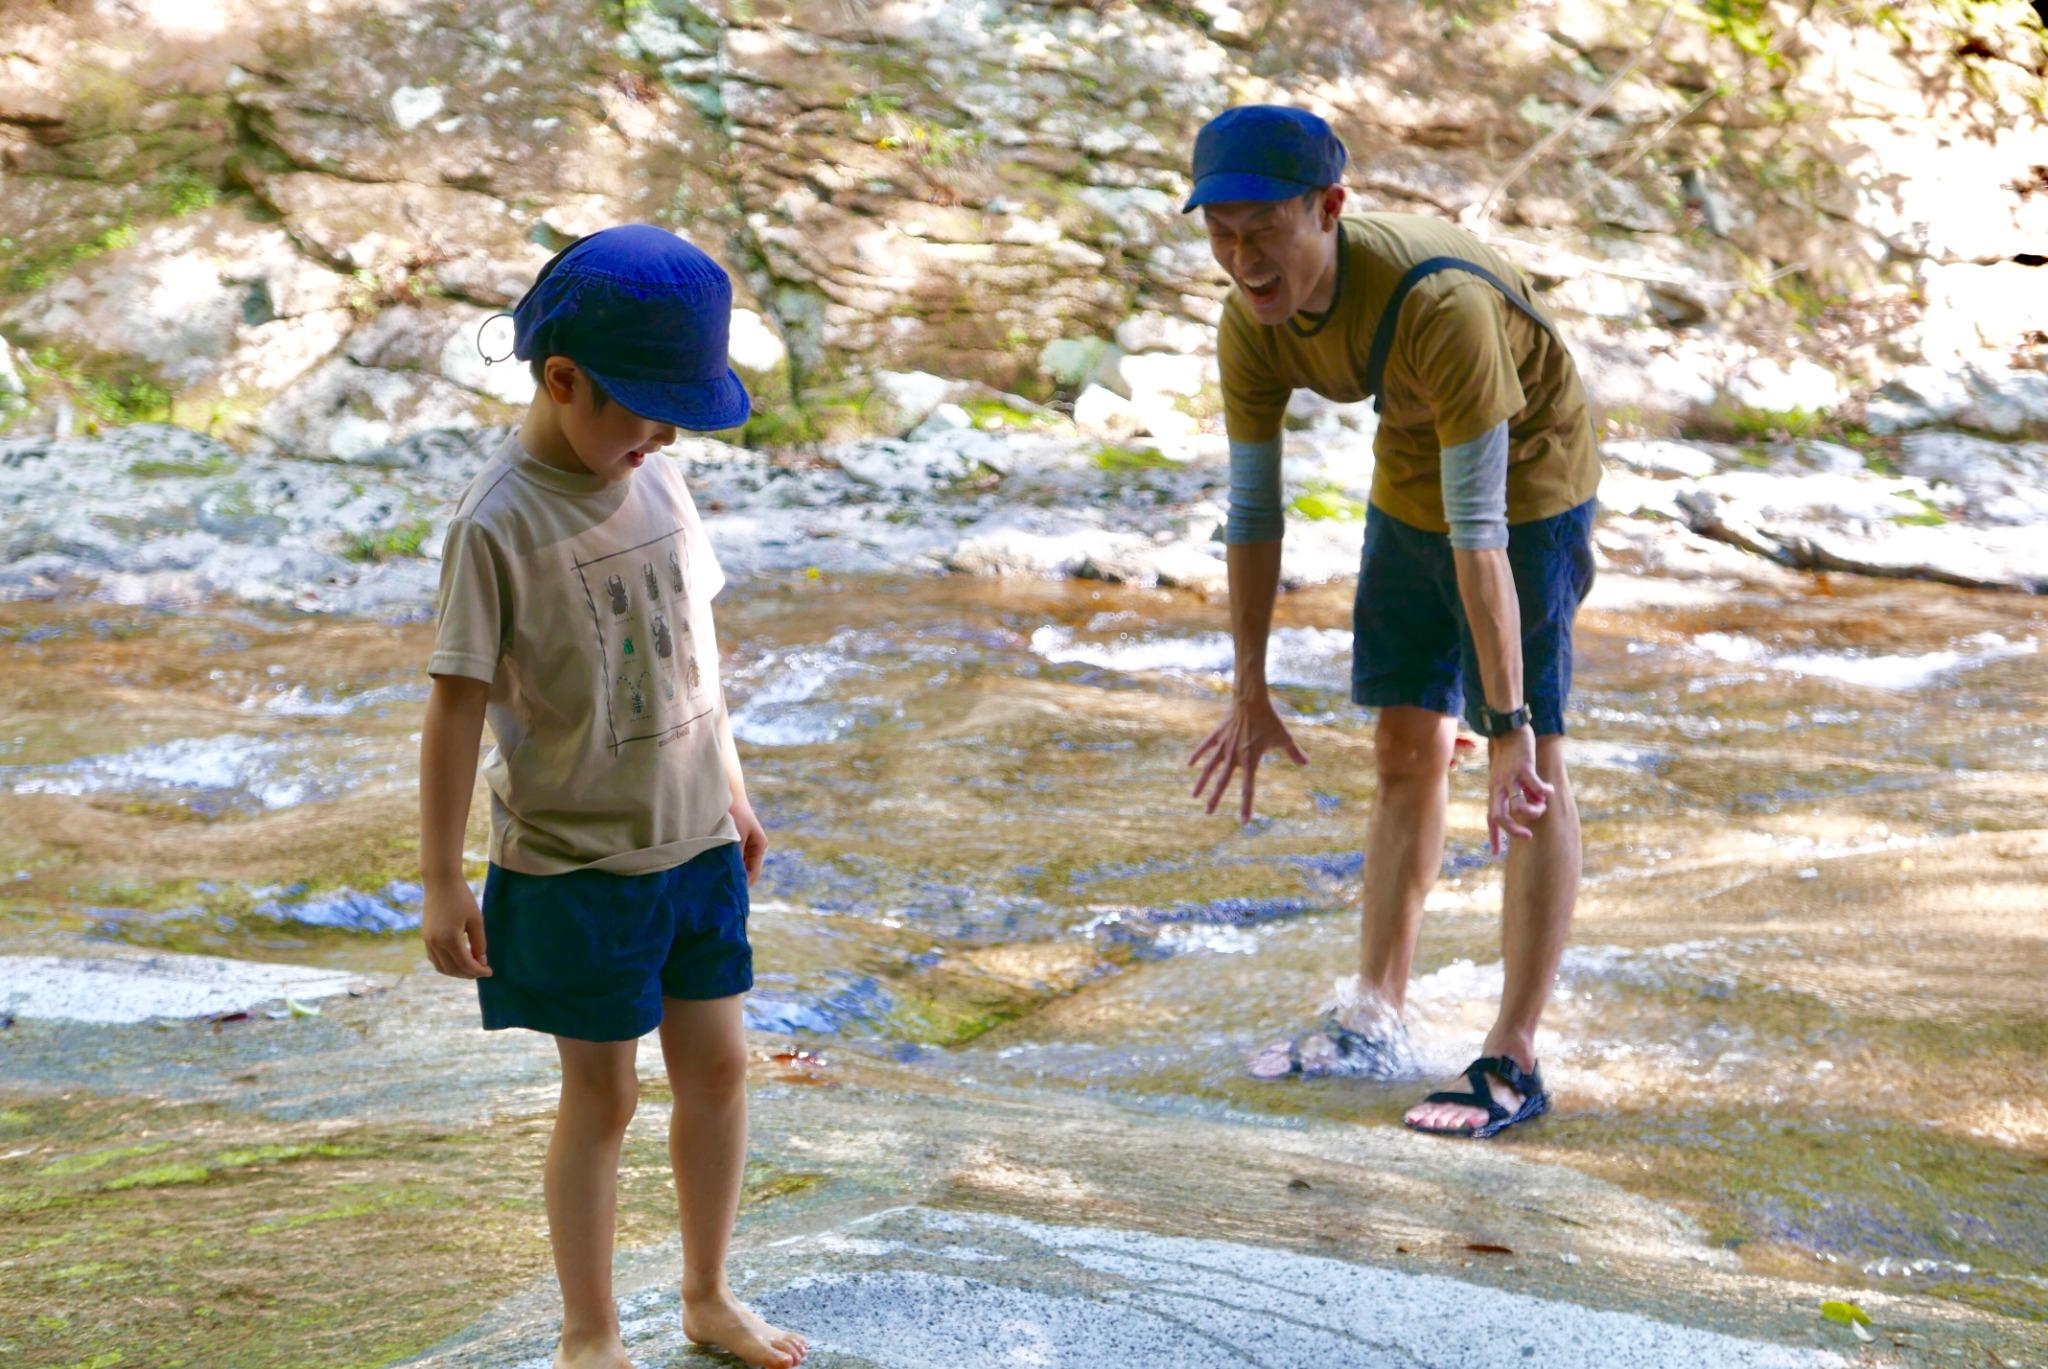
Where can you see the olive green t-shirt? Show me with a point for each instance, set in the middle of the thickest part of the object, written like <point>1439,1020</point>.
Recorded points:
<point>587,608</point>
<point>1463,360</point>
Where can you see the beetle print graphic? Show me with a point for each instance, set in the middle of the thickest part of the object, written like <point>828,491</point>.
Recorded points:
<point>653,585</point>
<point>616,588</point>
<point>675,572</point>
<point>636,690</point>
<point>664,646</point>
<point>668,686</point>
<point>696,675</point>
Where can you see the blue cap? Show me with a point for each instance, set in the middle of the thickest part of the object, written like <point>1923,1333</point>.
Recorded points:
<point>1264,152</point>
<point>646,316</point>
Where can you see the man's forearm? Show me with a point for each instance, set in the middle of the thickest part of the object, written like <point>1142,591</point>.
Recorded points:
<point>1254,580</point>
<point>448,747</point>
<point>1486,587</point>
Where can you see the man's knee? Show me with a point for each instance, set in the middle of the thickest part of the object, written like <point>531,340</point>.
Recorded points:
<point>1412,745</point>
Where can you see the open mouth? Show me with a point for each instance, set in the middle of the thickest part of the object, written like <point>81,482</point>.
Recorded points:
<point>1261,289</point>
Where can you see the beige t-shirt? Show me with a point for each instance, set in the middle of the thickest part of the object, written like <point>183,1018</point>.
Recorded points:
<point>587,608</point>
<point>1463,360</point>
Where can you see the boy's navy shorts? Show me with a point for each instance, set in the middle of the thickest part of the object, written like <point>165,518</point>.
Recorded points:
<point>590,954</point>
<point>1411,644</point>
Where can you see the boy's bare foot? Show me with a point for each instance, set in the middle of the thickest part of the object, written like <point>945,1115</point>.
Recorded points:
<point>723,1321</point>
<point>607,1353</point>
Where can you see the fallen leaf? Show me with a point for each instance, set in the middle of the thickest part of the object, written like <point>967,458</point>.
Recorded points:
<point>1844,1313</point>
<point>298,1009</point>
<point>1488,1248</point>
<point>1298,1183</point>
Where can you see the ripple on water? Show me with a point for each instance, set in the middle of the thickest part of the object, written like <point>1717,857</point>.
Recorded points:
<point>1887,672</point>
<point>233,772</point>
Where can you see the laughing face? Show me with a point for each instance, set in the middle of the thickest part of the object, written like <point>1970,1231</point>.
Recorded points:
<point>1280,253</point>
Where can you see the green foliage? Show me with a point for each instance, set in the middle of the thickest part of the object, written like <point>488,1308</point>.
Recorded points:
<point>1777,425</point>
<point>1745,23</point>
<point>1322,500</point>
<point>404,540</point>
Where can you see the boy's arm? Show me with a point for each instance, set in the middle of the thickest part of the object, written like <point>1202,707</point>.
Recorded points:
<point>450,921</point>
<point>753,837</point>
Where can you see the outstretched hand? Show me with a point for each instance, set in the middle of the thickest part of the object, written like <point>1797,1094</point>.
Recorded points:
<point>1516,795</point>
<point>1252,728</point>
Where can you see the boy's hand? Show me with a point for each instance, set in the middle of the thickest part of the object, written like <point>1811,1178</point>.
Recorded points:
<point>453,928</point>
<point>753,837</point>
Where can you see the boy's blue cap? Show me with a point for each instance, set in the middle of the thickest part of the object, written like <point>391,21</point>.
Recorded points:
<point>1264,152</point>
<point>646,315</point>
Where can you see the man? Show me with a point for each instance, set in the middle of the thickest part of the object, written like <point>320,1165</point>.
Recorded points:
<point>1477,553</point>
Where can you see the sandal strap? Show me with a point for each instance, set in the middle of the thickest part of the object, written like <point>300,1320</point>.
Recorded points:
<point>1476,1095</point>
<point>1528,1083</point>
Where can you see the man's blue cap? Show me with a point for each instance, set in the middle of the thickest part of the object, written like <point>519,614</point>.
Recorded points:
<point>1264,152</point>
<point>646,316</point>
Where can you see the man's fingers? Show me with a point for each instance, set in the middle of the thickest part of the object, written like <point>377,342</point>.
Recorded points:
<point>1299,756</point>
<point>1251,775</point>
<point>1222,782</point>
<point>1223,753</point>
<point>1207,742</point>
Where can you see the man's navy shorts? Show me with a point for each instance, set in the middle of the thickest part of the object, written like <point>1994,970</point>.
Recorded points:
<point>590,954</point>
<point>1411,644</point>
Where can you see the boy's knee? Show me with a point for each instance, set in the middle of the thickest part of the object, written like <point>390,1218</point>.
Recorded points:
<point>607,1102</point>
<point>712,1075</point>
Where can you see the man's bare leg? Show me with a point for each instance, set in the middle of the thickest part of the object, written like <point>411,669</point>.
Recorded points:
<point>1404,845</point>
<point>704,1043</point>
<point>1541,890</point>
<point>600,1091</point>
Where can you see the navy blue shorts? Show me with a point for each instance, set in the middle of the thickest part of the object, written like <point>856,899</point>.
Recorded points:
<point>590,954</point>
<point>1411,644</point>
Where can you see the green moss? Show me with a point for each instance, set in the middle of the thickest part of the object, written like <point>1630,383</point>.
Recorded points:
<point>1322,500</point>
<point>993,413</point>
<point>404,540</point>
<point>158,470</point>
<point>1122,460</point>
<point>92,1160</point>
<point>1929,515</point>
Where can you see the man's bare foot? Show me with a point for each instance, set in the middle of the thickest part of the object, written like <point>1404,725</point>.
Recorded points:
<point>723,1321</point>
<point>1453,1116</point>
<point>606,1352</point>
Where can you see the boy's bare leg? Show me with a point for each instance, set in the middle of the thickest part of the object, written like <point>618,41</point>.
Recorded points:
<point>1404,846</point>
<point>600,1090</point>
<point>705,1045</point>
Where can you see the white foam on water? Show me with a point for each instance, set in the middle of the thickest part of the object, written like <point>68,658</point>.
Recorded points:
<point>1319,658</point>
<point>121,989</point>
<point>779,695</point>
<point>1890,672</point>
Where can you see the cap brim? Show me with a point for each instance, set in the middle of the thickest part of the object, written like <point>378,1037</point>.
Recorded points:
<point>704,406</point>
<point>1225,187</point>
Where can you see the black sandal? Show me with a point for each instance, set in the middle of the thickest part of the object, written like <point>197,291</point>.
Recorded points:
<point>1528,1083</point>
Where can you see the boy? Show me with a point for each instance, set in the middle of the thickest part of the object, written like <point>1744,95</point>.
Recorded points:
<point>575,612</point>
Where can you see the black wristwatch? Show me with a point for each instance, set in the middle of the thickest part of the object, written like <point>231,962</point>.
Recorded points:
<point>1491,724</point>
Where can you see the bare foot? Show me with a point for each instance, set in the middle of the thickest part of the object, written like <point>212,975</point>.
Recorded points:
<point>606,1353</point>
<point>726,1323</point>
<point>1455,1116</point>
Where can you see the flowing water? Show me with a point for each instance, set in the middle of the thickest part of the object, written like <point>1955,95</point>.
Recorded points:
<point>1008,968</point>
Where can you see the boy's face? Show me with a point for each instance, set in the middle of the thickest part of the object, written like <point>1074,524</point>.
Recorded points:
<point>610,440</point>
<point>1275,250</point>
